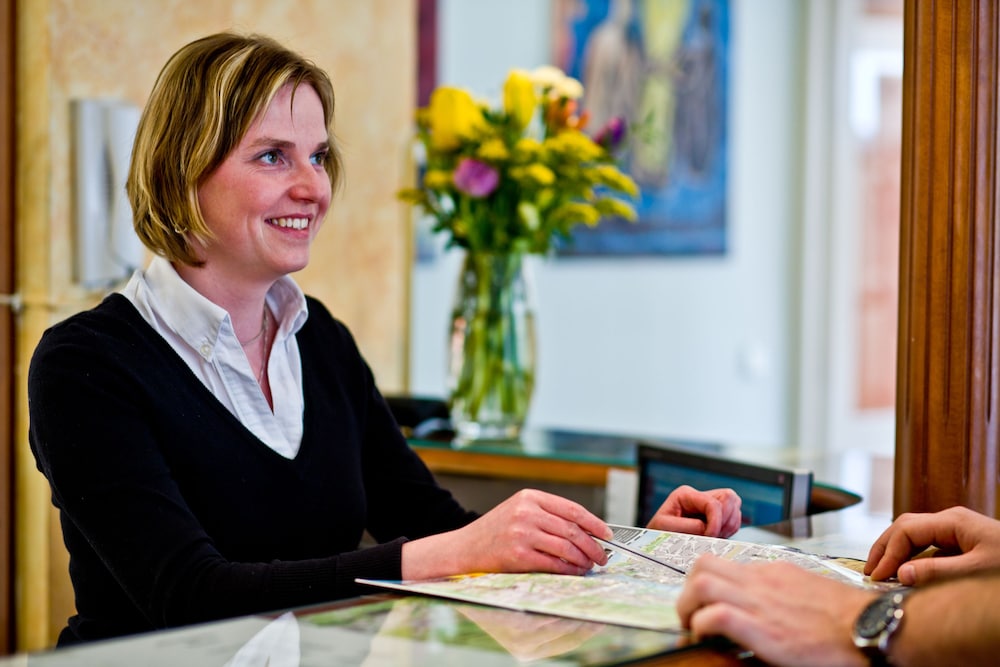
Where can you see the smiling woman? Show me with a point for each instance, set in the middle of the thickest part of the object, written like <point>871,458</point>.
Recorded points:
<point>214,441</point>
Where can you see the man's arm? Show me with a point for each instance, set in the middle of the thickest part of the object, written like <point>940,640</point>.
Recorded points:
<point>788,616</point>
<point>955,622</point>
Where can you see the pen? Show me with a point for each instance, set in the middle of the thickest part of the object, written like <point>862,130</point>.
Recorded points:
<point>640,554</point>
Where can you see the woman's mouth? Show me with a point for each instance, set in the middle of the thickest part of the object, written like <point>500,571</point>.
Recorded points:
<point>289,223</point>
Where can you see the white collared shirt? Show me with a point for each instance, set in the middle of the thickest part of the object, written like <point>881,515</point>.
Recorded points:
<point>202,334</point>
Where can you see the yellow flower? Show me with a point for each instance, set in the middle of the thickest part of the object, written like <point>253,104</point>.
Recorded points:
<point>574,145</point>
<point>540,174</point>
<point>453,116</point>
<point>437,179</point>
<point>529,213</point>
<point>611,177</point>
<point>532,145</point>
<point>526,149</point>
<point>609,206</point>
<point>575,212</point>
<point>519,99</point>
<point>493,150</point>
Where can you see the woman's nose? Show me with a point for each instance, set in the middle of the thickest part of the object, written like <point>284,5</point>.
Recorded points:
<point>310,182</point>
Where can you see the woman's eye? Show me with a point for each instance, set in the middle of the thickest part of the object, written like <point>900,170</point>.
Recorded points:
<point>270,157</point>
<point>320,158</point>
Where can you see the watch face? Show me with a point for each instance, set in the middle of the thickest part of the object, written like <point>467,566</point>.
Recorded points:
<point>879,620</point>
<point>876,617</point>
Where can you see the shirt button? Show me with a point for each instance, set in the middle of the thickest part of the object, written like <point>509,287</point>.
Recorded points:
<point>206,350</point>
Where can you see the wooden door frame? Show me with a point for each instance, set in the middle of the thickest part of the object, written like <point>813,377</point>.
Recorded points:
<point>7,325</point>
<point>948,370</point>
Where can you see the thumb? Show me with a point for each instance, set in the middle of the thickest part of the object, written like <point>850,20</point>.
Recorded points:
<point>925,570</point>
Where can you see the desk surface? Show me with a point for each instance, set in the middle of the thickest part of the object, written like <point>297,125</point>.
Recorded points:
<point>619,451</point>
<point>568,457</point>
<point>390,629</point>
<point>387,631</point>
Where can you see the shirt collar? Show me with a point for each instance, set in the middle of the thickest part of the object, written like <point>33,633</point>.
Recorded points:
<point>198,320</point>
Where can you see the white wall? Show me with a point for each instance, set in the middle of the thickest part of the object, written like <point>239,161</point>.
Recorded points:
<point>691,347</point>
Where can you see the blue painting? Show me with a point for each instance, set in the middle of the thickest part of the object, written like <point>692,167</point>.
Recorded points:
<point>662,65</point>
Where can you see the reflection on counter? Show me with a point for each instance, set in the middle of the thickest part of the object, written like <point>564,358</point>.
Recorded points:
<point>420,630</point>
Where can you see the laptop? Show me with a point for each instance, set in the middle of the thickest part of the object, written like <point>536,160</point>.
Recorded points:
<point>770,493</point>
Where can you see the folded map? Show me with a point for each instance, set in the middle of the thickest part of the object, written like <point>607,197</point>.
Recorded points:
<point>628,590</point>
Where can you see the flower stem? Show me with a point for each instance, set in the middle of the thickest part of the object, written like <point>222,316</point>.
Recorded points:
<point>493,348</point>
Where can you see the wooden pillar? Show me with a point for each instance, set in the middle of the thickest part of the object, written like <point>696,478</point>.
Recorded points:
<point>949,324</point>
<point>7,284</point>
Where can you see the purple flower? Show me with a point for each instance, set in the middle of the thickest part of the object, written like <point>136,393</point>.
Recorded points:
<point>611,135</point>
<point>476,179</point>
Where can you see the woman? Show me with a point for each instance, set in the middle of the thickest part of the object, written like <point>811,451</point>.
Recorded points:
<point>215,443</point>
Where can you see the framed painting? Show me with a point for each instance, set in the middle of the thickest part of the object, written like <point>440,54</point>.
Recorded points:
<point>662,66</point>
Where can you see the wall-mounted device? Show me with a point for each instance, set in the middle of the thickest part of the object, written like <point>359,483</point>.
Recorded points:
<point>107,248</point>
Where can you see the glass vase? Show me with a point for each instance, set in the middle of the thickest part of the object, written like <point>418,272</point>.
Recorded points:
<point>492,348</point>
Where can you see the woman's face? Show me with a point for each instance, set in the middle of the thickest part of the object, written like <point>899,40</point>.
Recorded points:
<point>266,201</point>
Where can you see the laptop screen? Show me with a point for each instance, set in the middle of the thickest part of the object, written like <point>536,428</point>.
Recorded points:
<point>769,494</point>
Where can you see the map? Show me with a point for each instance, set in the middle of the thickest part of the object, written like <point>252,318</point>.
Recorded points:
<point>628,590</point>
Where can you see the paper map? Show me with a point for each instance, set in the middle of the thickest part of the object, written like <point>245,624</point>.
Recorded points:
<point>628,590</point>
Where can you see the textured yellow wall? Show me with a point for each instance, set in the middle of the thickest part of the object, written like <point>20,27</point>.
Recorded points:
<point>115,48</point>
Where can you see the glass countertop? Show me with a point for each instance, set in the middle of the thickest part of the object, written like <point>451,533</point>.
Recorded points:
<point>564,445</point>
<point>849,472</point>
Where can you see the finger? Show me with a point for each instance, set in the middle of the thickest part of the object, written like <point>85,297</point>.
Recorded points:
<point>712,510</point>
<point>677,524</point>
<point>733,523</point>
<point>690,500</point>
<point>566,550</point>
<point>725,620</point>
<point>591,551</point>
<point>541,561</point>
<point>909,535</point>
<point>875,555</point>
<point>731,516</point>
<point>696,593</point>
<point>574,513</point>
<point>920,571</point>
<point>566,539</point>
<point>580,539</point>
<point>710,580</point>
<point>892,548</point>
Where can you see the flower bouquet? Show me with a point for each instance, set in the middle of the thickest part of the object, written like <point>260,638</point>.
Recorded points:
<point>501,183</point>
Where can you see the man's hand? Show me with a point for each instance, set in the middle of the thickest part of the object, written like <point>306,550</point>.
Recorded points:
<point>967,542</point>
<point>784,614</point>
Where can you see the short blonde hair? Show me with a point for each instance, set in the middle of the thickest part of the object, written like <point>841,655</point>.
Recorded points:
<point>204,101</point>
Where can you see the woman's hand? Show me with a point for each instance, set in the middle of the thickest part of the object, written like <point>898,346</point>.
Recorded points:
<point>967,541</point>
<point>532,531</point>
<point>784,614</point>
<point>714,513</point>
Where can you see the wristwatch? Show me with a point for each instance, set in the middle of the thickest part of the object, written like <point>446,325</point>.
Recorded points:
<point>877,624</point>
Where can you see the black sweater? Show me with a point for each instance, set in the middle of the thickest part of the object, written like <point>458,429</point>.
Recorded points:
<point>174,513</point>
